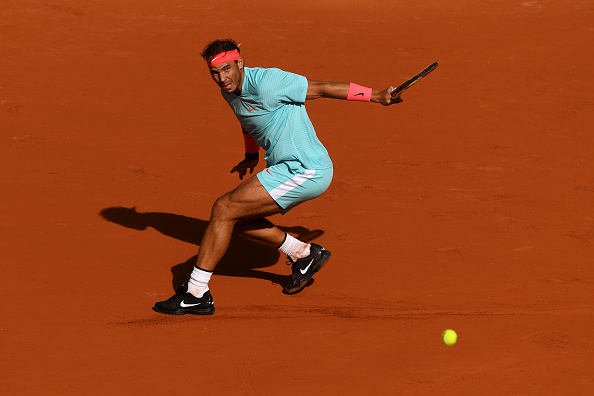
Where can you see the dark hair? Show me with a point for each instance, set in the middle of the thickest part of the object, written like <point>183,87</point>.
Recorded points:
<point>218,46</point>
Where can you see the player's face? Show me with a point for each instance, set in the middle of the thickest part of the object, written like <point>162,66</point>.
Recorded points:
<point>228,76</point>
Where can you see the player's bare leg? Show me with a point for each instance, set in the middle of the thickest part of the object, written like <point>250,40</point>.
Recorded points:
<point>249,200</point>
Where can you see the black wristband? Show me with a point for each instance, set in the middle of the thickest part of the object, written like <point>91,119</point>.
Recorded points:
<point>252,155</point>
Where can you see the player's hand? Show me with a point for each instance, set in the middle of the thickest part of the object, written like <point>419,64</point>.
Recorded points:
<point>387,99</point>
<point>244,165</point>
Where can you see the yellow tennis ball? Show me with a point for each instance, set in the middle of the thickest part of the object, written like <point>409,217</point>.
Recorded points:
<point>449,337</point>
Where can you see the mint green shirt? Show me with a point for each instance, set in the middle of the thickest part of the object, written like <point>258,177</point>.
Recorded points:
<point>271,108</point>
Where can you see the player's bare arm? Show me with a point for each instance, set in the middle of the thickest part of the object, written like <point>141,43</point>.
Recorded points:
<point>340,90</point>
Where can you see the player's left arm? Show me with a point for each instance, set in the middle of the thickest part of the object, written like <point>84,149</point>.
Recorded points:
<point>339,90</point>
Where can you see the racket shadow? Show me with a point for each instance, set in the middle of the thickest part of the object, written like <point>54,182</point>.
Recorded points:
<point>243,258</point>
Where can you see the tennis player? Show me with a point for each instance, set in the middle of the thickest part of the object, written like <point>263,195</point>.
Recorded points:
<point>269,104</point>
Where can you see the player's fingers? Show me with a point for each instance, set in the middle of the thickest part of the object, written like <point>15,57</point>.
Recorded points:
<point>251,170</point>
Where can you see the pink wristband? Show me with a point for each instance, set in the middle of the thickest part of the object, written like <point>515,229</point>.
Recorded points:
<point>357,92</point>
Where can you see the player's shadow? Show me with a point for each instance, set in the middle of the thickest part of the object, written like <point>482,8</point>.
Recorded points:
<point>243,258</point>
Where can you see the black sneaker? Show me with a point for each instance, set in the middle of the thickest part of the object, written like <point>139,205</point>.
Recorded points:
<point>184,302</point>
<point>304,268</point>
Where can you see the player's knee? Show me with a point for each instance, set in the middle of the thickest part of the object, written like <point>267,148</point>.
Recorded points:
<point>221,208</point>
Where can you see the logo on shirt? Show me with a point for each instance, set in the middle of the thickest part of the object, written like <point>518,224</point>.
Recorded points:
<point>359,94</point>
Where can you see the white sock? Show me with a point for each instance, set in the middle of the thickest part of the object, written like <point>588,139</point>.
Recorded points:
<point>198,283</point>
<point>294,248</point>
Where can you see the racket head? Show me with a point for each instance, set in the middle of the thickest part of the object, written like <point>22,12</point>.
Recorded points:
<point>409,83</point>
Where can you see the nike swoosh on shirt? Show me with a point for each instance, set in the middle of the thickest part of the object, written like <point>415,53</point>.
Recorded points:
<point>303,271</point>
<point>250,110</point>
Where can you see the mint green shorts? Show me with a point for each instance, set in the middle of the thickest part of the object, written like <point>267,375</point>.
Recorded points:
<point>290,184</point>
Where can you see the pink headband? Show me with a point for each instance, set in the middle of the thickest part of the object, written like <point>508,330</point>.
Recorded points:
<point>223,57</point>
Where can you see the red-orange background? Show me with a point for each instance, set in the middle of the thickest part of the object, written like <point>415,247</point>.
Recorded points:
<point>468,206</point>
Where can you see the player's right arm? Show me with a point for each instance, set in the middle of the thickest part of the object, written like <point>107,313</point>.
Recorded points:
<point>252,156</point>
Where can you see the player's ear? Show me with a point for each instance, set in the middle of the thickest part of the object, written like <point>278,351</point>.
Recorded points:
<point>240,62</point>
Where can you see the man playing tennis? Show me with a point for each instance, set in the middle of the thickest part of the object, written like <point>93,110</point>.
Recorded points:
<point>269,104</point>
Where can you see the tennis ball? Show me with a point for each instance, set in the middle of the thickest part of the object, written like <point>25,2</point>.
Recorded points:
<point>449,337</point>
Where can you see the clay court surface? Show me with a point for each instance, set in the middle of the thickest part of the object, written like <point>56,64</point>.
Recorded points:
<point>469,206</point>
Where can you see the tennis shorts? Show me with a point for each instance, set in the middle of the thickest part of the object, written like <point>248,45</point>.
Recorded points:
<point>290,184</point>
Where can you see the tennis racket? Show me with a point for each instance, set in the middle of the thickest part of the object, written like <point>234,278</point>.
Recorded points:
<point>398,91</point>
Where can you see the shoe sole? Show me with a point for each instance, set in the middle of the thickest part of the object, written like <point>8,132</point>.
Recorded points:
<point>325,257</point>
<point>208,311</point>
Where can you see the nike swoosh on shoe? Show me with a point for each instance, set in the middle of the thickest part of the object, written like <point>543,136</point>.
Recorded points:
<point>303,271</point>
<point>184,305</point>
